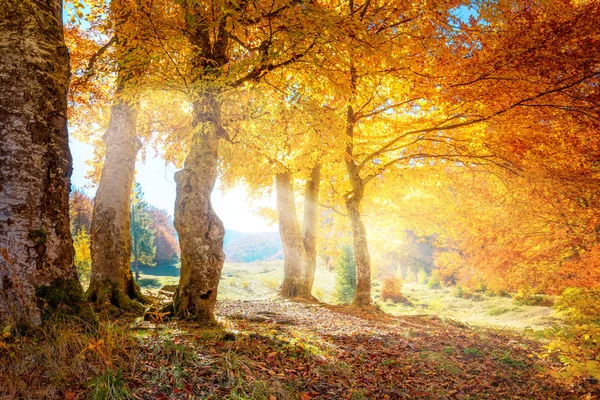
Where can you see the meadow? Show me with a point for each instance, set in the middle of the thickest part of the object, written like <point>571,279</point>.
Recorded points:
<point>260,280</point>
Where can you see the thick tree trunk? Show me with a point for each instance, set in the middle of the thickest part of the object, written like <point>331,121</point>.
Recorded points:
<point>295,264</point>
<point>36,249</point>
<point>200,230</point>
<point>112,281</point>
<point>310,223</point>
<point>362,296</point>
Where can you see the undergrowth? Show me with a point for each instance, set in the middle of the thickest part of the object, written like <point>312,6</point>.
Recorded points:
<point>64,359</point>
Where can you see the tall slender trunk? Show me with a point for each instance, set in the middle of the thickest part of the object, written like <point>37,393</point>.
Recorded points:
<point>36,250</point>
<point>295,265</point>
<point>135,246</point>
<point>112,281</point>
<point>310,223</point>
<point>362,296</point>
<point>199,228</point>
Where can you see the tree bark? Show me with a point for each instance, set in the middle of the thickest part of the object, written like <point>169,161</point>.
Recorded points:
<point>136,261</point>
<point>362,296</point>
<point>200,230</point>
<point>295,264</point>
<point>310,223</point>
<point>112,282</point>
<point>37,273</point>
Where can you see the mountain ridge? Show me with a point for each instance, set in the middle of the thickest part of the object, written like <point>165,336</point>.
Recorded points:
<point>249,247</point>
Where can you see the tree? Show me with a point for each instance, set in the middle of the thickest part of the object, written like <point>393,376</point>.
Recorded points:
<point>345,279</point>
<point>112,280</point>
<point>295,278</point>
<point>311,222</point>
<point>37,273</point>
<point>83,257</point>
<point>142,233</point>
<point>165,236</point>
<point>230,44</point>
<point>80,208</point>
<point>292,152</point>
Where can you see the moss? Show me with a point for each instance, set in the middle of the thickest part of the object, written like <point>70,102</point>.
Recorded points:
<point>38,236</point>
<point>65,295</point>
<point>107,296</point>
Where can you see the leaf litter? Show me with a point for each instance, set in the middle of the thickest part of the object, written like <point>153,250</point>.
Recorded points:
<point>292,350</point>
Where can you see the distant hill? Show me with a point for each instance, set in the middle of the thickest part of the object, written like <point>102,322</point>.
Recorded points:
<point>248,247</point>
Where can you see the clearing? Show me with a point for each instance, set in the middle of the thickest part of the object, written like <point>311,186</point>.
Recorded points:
<point>285,350</point>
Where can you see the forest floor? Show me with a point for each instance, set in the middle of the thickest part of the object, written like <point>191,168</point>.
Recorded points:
<point>287,350</point>
<point>282,350</point>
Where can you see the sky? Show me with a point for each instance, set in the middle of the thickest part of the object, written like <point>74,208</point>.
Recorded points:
<point>158,184</point>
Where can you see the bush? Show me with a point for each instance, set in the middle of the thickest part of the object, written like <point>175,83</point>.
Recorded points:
<point>345,279</point>
<point>391,289</point>
<point>526,296</point>
<point>434,282</point>
<point>578,343</point>
<point>422,276</point>
<point>410,276</point>
<point>462,293</point>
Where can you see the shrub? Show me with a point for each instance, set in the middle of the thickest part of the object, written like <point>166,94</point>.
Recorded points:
<point>271,284</point>
<point>462,293</point>
<point>578,343</point>
<point>434,282</point>
<point>410,276</point>
<point>527,297</point>
<point>345,279</point>
<point>391,289</point>
<point>422,276</point>
<point>580,305</point>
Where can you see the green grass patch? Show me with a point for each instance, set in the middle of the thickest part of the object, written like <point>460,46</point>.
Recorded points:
<point>482,309</point>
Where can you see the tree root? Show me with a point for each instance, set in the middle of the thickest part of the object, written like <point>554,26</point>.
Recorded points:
<point>108,296</point>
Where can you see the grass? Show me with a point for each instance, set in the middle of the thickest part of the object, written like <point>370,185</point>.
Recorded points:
<point>481,310</point>
<point>260,280</point>
<point>109,385</point>
<point>241,281</point>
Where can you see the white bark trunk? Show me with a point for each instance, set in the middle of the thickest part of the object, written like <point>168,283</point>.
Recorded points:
<point>200,230</point>
<point>310,223</point>
<point>112,282</point>
<point>295,264</point>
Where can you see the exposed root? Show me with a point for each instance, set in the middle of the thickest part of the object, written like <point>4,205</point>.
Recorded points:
<point>108,296</point>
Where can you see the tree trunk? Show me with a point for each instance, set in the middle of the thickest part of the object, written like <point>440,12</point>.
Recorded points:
<point>136,262</point>
<point>112,281</point>
<point>295,264</point>
<point>310,223</point>
<point>37,273</point>
<point>362,296</point>
<point>200,230</point>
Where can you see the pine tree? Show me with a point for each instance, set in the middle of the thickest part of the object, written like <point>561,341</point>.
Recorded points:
<point>345,280</point>
<point>142,234</point>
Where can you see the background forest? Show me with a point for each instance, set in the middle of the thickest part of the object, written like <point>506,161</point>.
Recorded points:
<point>432,162</point>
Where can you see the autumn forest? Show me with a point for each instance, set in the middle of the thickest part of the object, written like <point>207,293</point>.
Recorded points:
<point>467,131</point>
